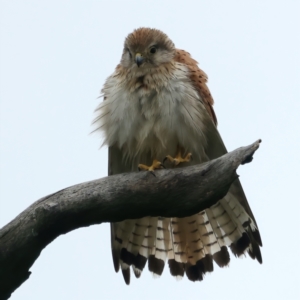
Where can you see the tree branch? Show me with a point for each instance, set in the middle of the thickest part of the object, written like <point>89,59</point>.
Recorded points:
<point>169,193</point>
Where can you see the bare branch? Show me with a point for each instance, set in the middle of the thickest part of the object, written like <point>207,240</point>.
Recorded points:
<point>170,193</point>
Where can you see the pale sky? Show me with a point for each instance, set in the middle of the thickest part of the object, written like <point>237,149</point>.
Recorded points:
<point>55,57</point>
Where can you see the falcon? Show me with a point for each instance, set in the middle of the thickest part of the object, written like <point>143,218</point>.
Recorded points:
<point>158,111</point>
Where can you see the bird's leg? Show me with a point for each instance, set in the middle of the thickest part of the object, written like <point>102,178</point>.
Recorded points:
<point>155,165</point>
<point>178,158</point>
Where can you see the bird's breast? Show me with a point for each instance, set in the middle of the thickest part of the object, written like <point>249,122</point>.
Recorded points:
<point>153,121</point>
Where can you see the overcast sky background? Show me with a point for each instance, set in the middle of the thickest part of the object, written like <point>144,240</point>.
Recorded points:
<point>55,56</point>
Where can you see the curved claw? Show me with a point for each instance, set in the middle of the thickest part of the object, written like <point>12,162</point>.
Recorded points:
<point>155,165</point>
<point>178,158</point>
<point>169,158</point>
<point>152,172</point>
<point>164,160</point>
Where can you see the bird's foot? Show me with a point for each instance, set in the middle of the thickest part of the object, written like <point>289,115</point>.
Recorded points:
<point>155,165</point>
<point>178,158</point>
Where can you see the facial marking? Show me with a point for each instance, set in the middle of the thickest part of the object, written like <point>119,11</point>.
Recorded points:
<point>147,48</point>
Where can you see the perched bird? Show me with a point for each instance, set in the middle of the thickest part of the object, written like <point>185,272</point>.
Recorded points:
<point>158,107</point>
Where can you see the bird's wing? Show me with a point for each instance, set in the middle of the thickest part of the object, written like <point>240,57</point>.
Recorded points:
<point>215,145</point>
<point>199,79</point>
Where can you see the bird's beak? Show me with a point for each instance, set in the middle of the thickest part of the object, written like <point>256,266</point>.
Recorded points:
<point>139,59</point>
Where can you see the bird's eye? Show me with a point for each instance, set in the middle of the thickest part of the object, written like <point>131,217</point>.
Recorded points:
<point>153,50</point>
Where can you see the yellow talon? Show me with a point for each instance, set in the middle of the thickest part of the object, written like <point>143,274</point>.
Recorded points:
<point>178,158</point>
<point>155,165</point>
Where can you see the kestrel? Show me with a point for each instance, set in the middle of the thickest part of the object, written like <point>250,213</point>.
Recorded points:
<point>158,111</point>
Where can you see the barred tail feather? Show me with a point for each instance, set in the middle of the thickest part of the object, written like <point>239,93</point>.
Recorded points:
<point>198,262</point>
<point>214,246</point>
<point>162,248</point>
<point>247,242</point>
<point>122,233</point>
<point>115,246</point>
<point>189,244</point>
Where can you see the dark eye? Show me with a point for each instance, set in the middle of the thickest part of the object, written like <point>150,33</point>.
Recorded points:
<point>153,50</point>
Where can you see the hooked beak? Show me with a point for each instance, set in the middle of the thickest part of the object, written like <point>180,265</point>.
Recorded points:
<point>139,59</point>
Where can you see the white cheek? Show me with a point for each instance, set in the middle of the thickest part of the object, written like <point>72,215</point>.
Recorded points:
<point>162,57</point>
<point>126,60</point>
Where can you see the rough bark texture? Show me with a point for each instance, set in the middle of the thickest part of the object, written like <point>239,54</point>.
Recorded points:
<point>168,193</point>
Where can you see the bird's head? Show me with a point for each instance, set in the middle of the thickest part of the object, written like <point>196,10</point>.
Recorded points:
<point>146,48</point>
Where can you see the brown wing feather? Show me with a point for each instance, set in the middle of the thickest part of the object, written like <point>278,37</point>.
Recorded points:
<point>216,147</point>
<point>199,79</point>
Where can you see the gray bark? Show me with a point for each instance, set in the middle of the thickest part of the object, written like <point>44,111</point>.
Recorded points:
<point>169,193</point>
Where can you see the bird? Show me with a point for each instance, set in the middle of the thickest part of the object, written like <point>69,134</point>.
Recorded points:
<point>157,111</point>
